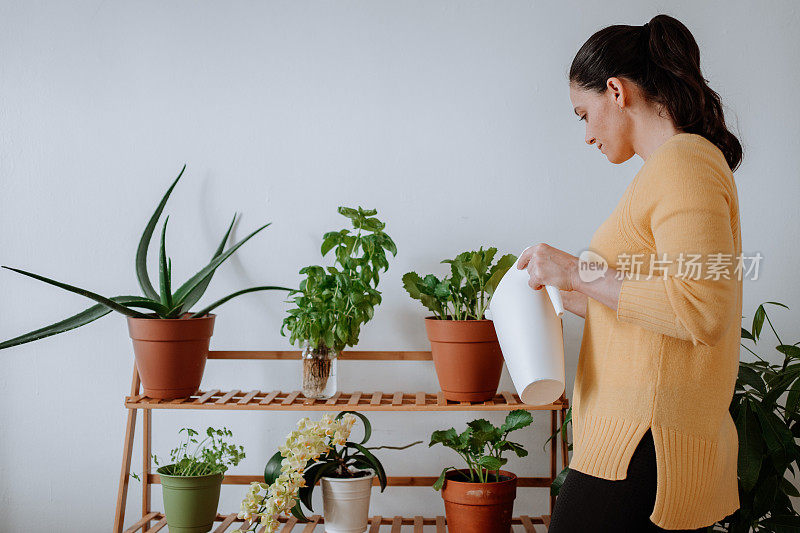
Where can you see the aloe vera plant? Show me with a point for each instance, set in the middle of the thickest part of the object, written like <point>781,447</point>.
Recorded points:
<point>164,303</point>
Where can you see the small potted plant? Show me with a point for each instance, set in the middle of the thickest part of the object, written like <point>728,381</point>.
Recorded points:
<point>319,452</point>
<point>191,482</point>
<point>333,303</point>
<point>480,498</point>
<point>464,345</point>
<point>170,342</point>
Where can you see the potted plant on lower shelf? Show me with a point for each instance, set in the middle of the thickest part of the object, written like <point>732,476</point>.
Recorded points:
<point>464,345</point>
<point>170,342</point>
<point>480,498</point>
<point>333,303</point>
<point>191,482</point>
<point>319,452</point>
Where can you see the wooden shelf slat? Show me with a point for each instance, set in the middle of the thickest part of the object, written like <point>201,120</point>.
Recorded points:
<point>376,524</point>
<point>159,526</point>
<point>230,519</point>
<point>227,396</point>
<point>247,397</point>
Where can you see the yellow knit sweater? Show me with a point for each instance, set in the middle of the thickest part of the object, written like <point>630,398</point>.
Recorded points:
<point>669,357</point>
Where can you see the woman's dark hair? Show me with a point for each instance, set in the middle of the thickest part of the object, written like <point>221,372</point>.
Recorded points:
<point>663,59</point>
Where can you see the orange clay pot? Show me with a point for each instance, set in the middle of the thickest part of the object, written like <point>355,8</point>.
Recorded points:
<point>467,358</point>
<point>479,507</point>
<point>171,353</point>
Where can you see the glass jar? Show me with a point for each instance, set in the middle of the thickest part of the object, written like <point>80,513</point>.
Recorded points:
<point>319,371</point>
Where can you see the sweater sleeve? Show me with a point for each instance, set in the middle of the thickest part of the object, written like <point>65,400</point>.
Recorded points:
<point>686,201</point>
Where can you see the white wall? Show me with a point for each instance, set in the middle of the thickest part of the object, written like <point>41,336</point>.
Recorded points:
<point>451,118</point>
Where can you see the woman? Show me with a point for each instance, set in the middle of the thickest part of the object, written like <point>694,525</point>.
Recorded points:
<point>655,447</point>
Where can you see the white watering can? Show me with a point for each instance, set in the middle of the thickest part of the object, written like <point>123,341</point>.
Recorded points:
<point>528,326</point>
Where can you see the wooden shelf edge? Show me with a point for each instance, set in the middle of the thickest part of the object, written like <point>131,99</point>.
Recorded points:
<point>227,523</point>
<point>357,401</point>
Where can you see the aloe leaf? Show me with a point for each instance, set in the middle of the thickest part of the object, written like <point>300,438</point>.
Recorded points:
<point>83,292</point>
<point>80,319</point>
<point>183,291</point>
<point>144,244</point>
<point>221,301</point>
<point>163,269</point>
<point>197,293</point>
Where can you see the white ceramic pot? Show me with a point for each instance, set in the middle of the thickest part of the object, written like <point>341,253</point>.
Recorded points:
<point>346,503</point>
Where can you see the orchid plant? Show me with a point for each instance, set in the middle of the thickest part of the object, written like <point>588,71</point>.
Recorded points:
<point>310,453</point>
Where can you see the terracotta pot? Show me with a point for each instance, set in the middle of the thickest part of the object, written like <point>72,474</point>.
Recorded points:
<point>479,507</point>
<point>171,353</point>
<point>467,357</point>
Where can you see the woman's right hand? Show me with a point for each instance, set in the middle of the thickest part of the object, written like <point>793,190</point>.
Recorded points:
<point>575,302</point>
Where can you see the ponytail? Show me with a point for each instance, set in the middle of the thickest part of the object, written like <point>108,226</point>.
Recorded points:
<point>663,58</point>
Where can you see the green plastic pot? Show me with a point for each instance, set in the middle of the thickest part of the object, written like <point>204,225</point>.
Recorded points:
<point>190,502</point>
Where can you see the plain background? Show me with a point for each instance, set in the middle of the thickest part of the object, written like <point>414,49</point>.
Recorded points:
<point>452,119</point>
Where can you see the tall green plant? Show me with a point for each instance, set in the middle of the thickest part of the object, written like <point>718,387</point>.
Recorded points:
<point>333,303</point>
<point>466,293</point>
<point>164,303</point>
<point>766,410</point>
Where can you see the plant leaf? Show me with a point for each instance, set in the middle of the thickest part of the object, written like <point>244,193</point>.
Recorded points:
<point>381,473</point>
<point>81,319</point>
<point>184,290</point>
<point>83,292</point>
<point>221,301</point>
<point>516,419</point>
<point>439,483</point>
<point>273,468</point>
<point>163,269</point>
<point>144,244</point>
<point>197,293</point>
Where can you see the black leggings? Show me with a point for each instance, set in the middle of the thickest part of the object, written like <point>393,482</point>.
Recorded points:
<point>588,503</point>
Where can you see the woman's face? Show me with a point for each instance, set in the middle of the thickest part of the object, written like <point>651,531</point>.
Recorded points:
<point>607,126</point>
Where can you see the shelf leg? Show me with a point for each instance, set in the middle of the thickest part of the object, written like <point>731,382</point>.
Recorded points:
<point>147,415</point>
<point>127,452</point>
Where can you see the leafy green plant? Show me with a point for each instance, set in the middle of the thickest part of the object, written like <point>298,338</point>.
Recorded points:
<point>466,293</point>
<point>768,427</point>
<point>164,303</point>
<point>481,446</point>
<point>212,455</point>
<point>333,303</point>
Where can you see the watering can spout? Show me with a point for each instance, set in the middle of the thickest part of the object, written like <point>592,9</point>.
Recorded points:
<point>555,299</point>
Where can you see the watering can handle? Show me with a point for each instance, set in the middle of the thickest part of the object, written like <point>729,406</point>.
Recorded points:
<point>555,299</point>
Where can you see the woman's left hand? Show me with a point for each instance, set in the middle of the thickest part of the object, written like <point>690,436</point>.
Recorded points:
<point>549,266</point>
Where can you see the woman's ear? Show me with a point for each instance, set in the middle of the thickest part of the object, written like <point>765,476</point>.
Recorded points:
<point>616,91</point>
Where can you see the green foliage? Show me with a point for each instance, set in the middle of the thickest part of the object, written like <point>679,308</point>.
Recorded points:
<point>212,455</point>
<point>163,303</point>
<point>348,461</point>
<point>333,303</point>
<point>466,293</point>
<point>766,410</point>
<point>482,444</point>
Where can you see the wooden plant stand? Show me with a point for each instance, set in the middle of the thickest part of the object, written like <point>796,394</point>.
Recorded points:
<point>254,400</point>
